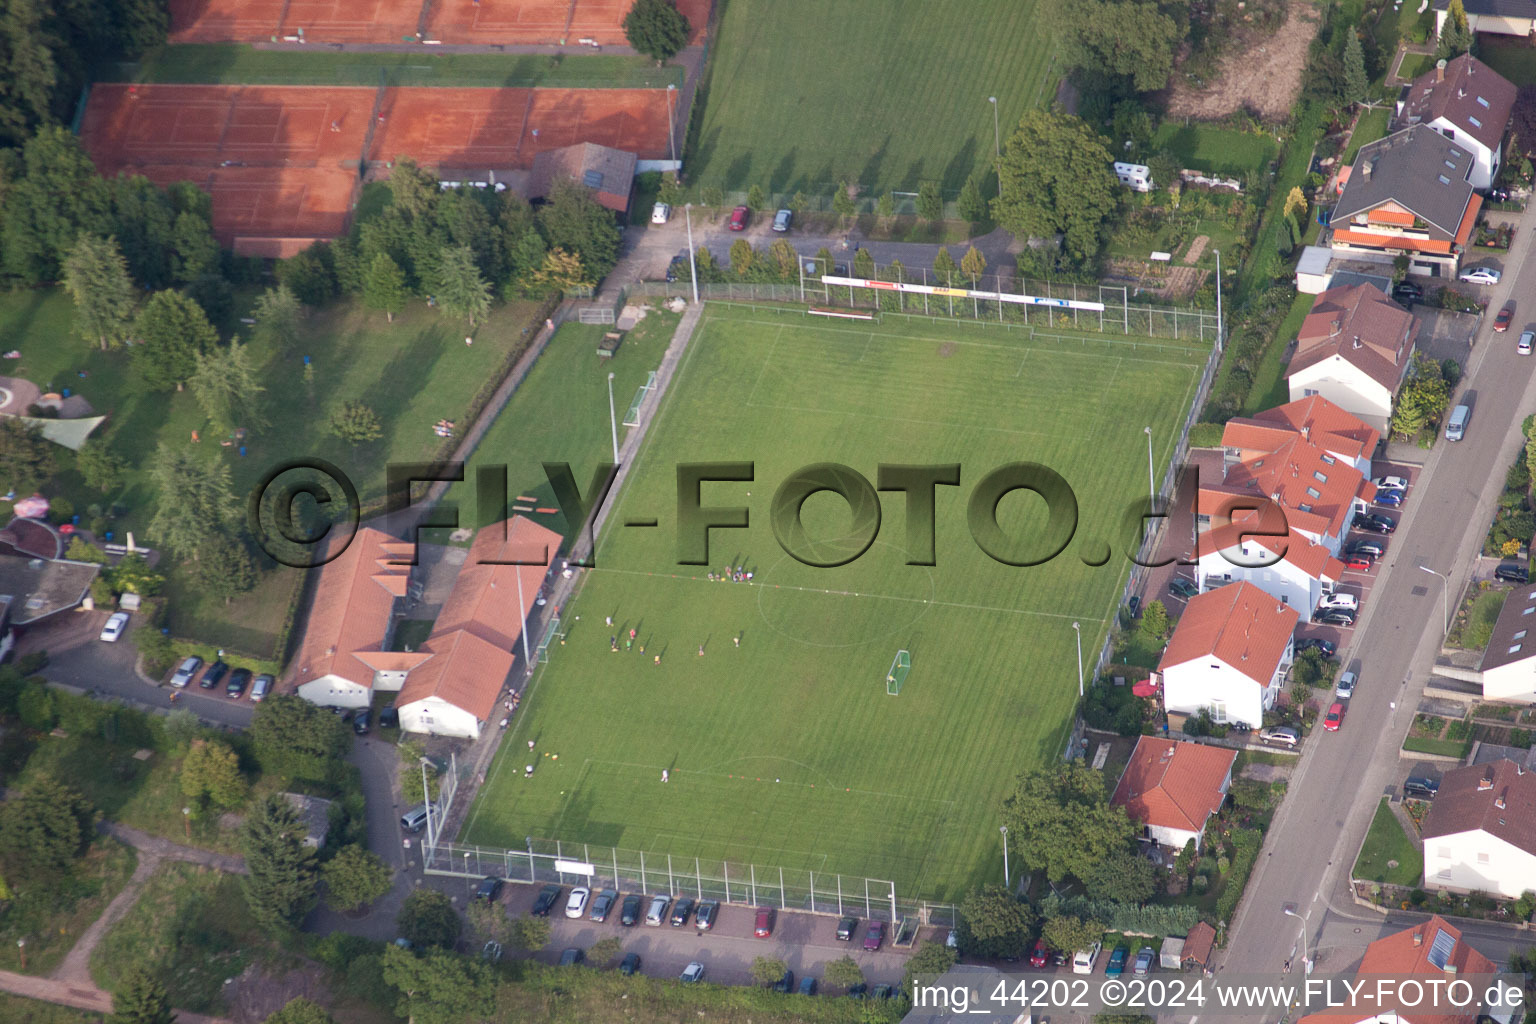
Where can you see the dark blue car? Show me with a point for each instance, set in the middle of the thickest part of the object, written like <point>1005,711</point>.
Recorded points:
<point>1389,499</point>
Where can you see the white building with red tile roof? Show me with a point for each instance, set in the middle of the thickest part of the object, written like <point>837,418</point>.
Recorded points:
<point>1480,835</point>
<point>1262,549</point>
<point>1229,654</point>
<point>1172,787</point>
<point>1354,349</point>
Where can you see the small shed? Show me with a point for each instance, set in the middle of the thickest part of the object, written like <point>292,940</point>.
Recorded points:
<point>1171,956</point>
<point>1198,945</point>
<point>314,814</point>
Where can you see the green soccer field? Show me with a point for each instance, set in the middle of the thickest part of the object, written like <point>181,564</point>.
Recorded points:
<point>787,751</point>
<point>884,93</point>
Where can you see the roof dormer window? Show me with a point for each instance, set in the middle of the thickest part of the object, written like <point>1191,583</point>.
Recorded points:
<point>1483,103</point>
<point>1475,122</point>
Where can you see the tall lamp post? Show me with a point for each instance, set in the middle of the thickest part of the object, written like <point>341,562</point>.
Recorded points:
<point>997,135</point>
<point>1151,475</point>
<point>21,947</point>
<point>671,140</point>
<point>1306,961</point>
<point>522,612</point>
<point>1079,631</point>
<point>426,797</point>
<point>1218,299</point>
<point>1445,585</point>
<point>693,267</point>
<point>1004,830</point>
<point>186,819</point>
<point>613,423</point>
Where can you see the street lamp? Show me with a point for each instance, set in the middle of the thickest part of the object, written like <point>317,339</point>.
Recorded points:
<point>1151,476</point>
<point>997,135</point>
<point>1079,631</point>
<point>1306,961</point>
<point>613,423</point>
<point>1004,830</point>
<point>693,267</point>
<point>522,612</point>
<point>21,947</point>
<point>1218,298</point>
<point>186,819</point>
<point>671,140</point>
<point>1445,607</point>
<point>426,797</point>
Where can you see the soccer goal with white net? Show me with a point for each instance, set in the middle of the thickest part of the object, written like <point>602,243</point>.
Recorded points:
<point>900,666</point>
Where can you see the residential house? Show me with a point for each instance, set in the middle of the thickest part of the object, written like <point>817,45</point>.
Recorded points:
<point>1409,194</point>
<point>1172,787</point>
<point>1229,655</point>
<point>36,581</point>
<point>1469,103</point>
<point>1259,549</point>
<point>1432,950</point>
<point>1198,945</point>
<point>1354,349</point>
<point>609,173</point>
<point>1509,664</point>
<point>1495,17</point>
<point>1480,834</point>
<point>314,814</point>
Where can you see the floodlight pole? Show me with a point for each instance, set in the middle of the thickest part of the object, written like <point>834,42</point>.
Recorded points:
<point>1445,586</point>
<point>1076,628</point>
<point>426,796</point>
<point>1004,830</point>
<point>1151,474</point>
<point>522,613</point>
<point>1218,299</point>
<point>671,140</point>
<point>693,268</point>
<point>997,134</point>
<point>613,423</point>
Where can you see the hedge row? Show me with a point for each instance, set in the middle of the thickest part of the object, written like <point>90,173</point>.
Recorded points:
<point>1128,918</point>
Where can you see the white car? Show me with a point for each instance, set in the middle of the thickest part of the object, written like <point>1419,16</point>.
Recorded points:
<point>114,627</point>
<point>1391,483</point>
<point>1347,601</point>
<point>1523,346</point>
<point>1084,959</point>
<point>1482,275</point>
<point>692,973</point>
<point>1346,687</point>
<point>577,904</point>
<point>661,213</point>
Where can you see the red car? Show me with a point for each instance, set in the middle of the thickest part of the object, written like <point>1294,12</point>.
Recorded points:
<point>1360,561</point>
<point>764,926</point>
<point>1501,322</point>
<point>1040,954</point>
<point>740,215</point>
<point>1334,718</point>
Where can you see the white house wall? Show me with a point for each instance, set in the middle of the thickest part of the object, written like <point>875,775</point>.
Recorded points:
<point>334,691</point>
<point>1282,581</point>
<point>1478,862</point>
<point>1485,163</point>
<point>437,717</point>
<point>1209,682</point>
<point>1342,383</point>
<point>1513,682</point>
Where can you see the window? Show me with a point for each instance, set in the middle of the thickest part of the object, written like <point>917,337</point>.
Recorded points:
<point>1320,476</point>
<point>1529,610</point>
<point>1482,103</point>
<point>1445,874</point>
<point>1482,858</point>
<point>1313,492</point>
<point>1443,179</point>
<point>1519,636</point>
<point>1451,164</point>
<point>1329,459</point>
<point>1305,508</point>
<point>1218,712</point>
<point>1309,392</point>
<point>1475,122</point>
<point>1514,649</point>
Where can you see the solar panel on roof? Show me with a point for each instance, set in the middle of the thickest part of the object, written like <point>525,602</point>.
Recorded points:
<point>592,179</point>
<point>1440,950</point>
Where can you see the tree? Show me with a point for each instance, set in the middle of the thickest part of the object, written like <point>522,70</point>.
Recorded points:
<point>944,267</point>
<point>295,738</point>
<point>355,878</point>
<point>210,774</point>
<point>784,259</point>
<point>755,198</point>
<point>604,950</point>
<point>931,960</point>
<point>384,286</point>
<point>930,201</point>
<point>43,828</point>
<point>529,933</point>
<point>1060,821</point>
<point>140,999</point>
<point>1155,622</point>
<point>1123,877</point>
<point>996,923</point>
<point>1055,175</point>
<point>560,270</point>
<point>766,969</point>
<point>1185,861</point>
<point>356,423</point>
<point>96,277</point>
<point>461,291</point>
<point>799,203</point>
<point>971,206</point>
<point>99,466</point>
<point>223,567</point>
<point>195,499</point>
<point>1129,39</point>
<point>863,263</point>
<point>311,274</point>
<point>1164,168</point>
<point>1455,35</point>
<point>1312,669</point>
<point>26,457</point>
<point>280,885</point>
<point>299,1010</point>
<point>277,314</point>
<point>657,29</point>
<point>843,972</point>
<point>134,575</point>
<point>194,253</point>
<point>572,220</point>
<point>973,264</point>
<point>742,257</point>
<point>843,203</point>
<point>1356,83</point>
<point>1295,203</point>
<point>172,331</point>
<point>1421,400</point>
<point>885,206</point>
<point>438,987</point>
<point>427,918</point>
<point>1071,933</point>
<point>226,386</point>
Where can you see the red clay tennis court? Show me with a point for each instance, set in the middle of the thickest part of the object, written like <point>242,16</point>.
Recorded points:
<point>544,21</point>
<point>322,21</point>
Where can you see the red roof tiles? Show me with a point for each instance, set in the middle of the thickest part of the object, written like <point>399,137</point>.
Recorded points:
<point>1240,624</point>
<point>1174,784</point>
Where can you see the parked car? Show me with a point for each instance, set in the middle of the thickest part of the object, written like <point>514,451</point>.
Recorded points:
<point>1181,587</point>
<point>576,905</point>
<point>1421,786</point>
<point>661,213</point>
<point>874,935</point>
<point>1512,572</point>
<point>807,986</point>
<point>1134,605</point>
<point>1116,965</point>
<point>763,926</point>
<point>692,973</point>
<point>1374,522</point>
<point>263,686</point>
<point>1328,647</point>
<point>704,920</point>
<point>681,911</point>
<point>1339,600</point>
<point>602,904</point>
<point>389,717</point>
<point>1084,959</point>
<point>629,913</point>
<point>846,927</point>
<point>1501,322</point>
<point>786,982</point>
<point>630,964</point>
<point>214,676</point>
<point>678,268</point>
<point>1334,718</point>
<point>1390,499</point>
<point>1143,963</point>
<point>239,679</point>
<point>1345,688</point>
<point>781,220</point>
<point>491,951</point>
<point>1481,275</point>
<point>1523,346</point>
<point>185,671</point>
<point>1040,954</point>
<point>1391,483</point>
<point>882,992</point>
<point>548,897</point>
<point>658,910</point>
<point>1360,562</point>
<point>1366,546</point>
<point>1282,735</point>
<point>571,957</point>
<point>116,623</point>
<point>1334,617</point>
<point>858,991</point>
<point>363,720</point>
<point>489,888</point>
<point>1407,291</point>
<point>739,218</point>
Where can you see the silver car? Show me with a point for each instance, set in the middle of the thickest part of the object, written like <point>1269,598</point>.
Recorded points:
<point>1346,687</point>
<point>781,220</point>
<point>186,671</point>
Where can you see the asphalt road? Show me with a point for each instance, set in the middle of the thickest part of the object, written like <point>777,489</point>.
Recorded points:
<point>1342,776</point>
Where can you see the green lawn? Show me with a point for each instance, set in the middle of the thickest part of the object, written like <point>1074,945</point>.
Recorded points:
<point>1269,385</point>
<point>412,372</point>
<point>1415,64</point>
<point>1447,748</point>
<point>1509,56</point>
<point>17,1010</point>
<point>1385,842</point>
<point>1204,147</point>
<point>787,751</point>
<point>804,94</point>
<point>239,63</point>
<point>1371,126</point>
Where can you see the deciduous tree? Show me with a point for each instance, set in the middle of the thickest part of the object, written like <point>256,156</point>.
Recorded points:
<point>96,277</point>
<point>973,264</point>
<point>944,268</point>
<point>296,738</point>
<point>1123,877</point>
<point>210,774</point>
<point>604,951</point>
<point>656,28</point>
<point>930,201</point>
<point>1155,622</point>
<point>438,987</point>
<point>225,384</point>
<point>196,499</point>
<point>1055,175</point>
<point>1060,821</point>
<point>756,199</point>
<point>299,1010</point>
<point>26,457</point>
<point>844,972</point>
<point>172,331</point>
<point>1070,933</point>
<point>280,884</point>
<point>356,423</point>
<point>843,203</point>
<point>971,206</point>
<point>278,313</point>
<point>1126,38</point>
<point>99,466</point>
<point>222,566</point>
<point>742,256</point>
<point>1422,399</point>
<point>355,878</point>
<point>384,286</point>
<point>529,933</point>
<point>931,960</point>
<point>575,222</point>
<point>427,918</point>
<point>766,969</point>
<point>194,251</point>
<point>995,923</point>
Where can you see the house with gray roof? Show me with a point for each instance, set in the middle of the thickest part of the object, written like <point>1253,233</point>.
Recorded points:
<point>1508,668</point>
<point>1469,103</point>
<point>1354,349</point>
<point>1496,17</point>
<point>609,173</point>
<point>1480,834</point>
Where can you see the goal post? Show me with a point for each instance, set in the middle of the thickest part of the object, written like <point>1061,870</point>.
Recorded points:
<point>900,666</point>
